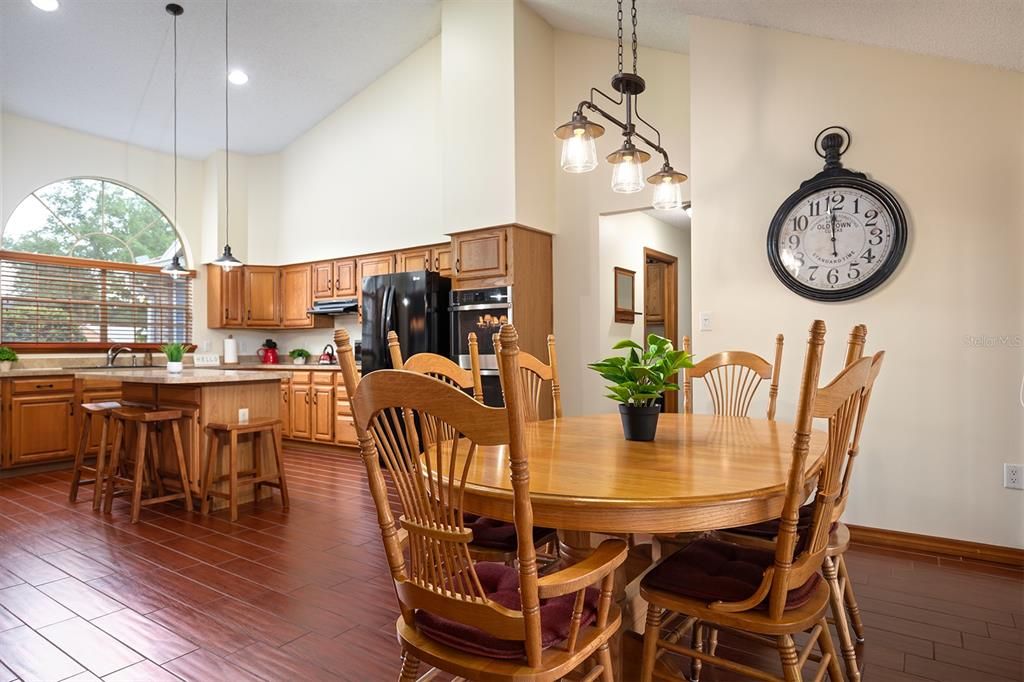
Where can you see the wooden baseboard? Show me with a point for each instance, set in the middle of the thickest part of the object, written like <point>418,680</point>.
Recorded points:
<point>943,547</point>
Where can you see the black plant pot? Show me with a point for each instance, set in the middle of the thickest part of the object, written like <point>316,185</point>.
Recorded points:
<point>639,423</point>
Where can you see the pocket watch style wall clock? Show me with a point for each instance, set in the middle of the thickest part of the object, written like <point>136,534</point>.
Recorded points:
<point>840,235</point>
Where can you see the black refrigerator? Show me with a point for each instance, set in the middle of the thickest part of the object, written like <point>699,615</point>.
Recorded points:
<point>412,304</point>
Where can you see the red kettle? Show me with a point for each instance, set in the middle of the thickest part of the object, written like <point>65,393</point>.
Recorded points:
<point>267,353</point>
<point>327,355</point>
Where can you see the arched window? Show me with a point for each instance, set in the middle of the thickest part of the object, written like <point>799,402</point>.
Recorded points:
<point>80,269</point>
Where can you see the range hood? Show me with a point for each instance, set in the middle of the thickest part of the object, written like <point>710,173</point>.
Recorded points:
<point>342,306</point>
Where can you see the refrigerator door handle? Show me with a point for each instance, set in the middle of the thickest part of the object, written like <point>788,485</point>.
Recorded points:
<point>389,300</point>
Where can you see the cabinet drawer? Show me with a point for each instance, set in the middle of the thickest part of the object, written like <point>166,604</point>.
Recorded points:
<point>178,394</point>
<point>345,431</point>
<point>300,377</point>
<point>324,378</point>
<point>345,408</point>
<point>41,384</point>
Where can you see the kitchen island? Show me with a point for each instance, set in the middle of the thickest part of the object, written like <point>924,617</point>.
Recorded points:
<point>204,396</point>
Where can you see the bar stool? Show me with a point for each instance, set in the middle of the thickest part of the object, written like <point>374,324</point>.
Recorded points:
<point>147,450</point>
<point>92,411</point>
<point>253,476</point>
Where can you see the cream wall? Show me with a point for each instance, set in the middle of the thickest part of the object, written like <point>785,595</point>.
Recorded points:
<point>946,137</point>
<point>581,278</point>
<point>534,110</point>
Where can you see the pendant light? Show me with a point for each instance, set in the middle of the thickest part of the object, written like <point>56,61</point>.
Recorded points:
<point>579,151</point>
<point>227,260</point>
<point>175,269</point>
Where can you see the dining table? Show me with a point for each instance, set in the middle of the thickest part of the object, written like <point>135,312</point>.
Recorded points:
<point>700,473</point>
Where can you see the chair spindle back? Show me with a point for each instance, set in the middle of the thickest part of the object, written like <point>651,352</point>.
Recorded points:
<point>532,375</point>
<point>732,378</point>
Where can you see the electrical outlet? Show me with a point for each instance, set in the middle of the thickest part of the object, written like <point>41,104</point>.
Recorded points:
<point>243,415</point>
<point>1013,476</point>
<point>705,322</point>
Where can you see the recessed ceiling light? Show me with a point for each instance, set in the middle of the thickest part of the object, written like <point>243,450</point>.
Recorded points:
<point>238,77</point>
<point>47,5</point>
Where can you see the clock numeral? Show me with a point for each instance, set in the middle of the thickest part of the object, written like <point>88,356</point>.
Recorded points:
<point>876,233</point>
<point>799,223</point>
<point>799,258</point>
<point>871,215</point>
<point>835,201</point>
<point>813,270</point>
<point>794,241</point>
<point>854,271</point>
<point>833,276</point>
<point>814,207</point>
<point>869,256</point>
<point>856,205</point>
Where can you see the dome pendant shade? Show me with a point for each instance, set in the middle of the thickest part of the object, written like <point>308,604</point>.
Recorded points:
<point>174,268</point>
<point>227,260</point>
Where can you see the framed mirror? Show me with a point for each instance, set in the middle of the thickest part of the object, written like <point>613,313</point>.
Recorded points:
<point>625,295</point>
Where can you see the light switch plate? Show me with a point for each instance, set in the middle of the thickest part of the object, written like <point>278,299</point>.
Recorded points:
<point>705,322</point>
<point>243,415</point>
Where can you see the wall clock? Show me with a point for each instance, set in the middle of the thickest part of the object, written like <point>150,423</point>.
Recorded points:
<point>839,235</point>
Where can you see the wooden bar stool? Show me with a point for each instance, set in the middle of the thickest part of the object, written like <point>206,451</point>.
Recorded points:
<point>235,477</point>
<point>91,411</point>
<point>147,450</point>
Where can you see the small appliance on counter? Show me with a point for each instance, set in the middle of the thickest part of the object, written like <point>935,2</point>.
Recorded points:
<point>267,353</point>
<point>327,355</point>
<point>230,350</point>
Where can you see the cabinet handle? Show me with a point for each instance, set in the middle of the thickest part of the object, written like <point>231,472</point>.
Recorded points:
<point>337,284</point>
<point>458,265</point>
<point>437,264</point>
<point>307,399</point>
<point>226,313</point>
<point>44,386</point>
<point>284,397</point>
<point>71,409</point>
<point>248,315</point>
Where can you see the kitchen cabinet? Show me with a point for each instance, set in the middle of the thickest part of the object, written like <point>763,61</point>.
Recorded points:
<point>42,427</point>
<point>323,281</point>
<point>441,259</point>
<point>368,266</point>
<point>323,413</point>
<point>301,426</point>
<point>334,279</point>
<point>413,260</point>
<point>225,297</point>
<point>297,297</point>
<point>345,284</point>
<point>480,254</point>
<point>262,285</point>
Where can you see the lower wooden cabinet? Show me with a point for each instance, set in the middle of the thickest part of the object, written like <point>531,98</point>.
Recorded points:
<point>286,417</point>
<point>323,414</point>
<point>42,428</point>
<point>301,416</point>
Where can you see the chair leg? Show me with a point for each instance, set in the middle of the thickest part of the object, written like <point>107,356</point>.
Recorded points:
<point>828,569</point>
<point>790,660</point>
<point>604,655</point>
<point>410,667</point>
<point>115,464</point>
<point>835,674</point>
<point>652,631</point>
<point>179,451</point>
<point>233,475</point>
<point>140,468</point>
<point>83,445</point>
<point>851,600</point>
<point>279,460</point>
<point>713,642</point>
<point>698,645</point>
<point>212,455</point>
<point>101,464</point>
<point>154,461</point>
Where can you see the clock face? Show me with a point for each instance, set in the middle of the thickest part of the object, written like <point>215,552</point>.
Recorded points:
<point>837,242</point>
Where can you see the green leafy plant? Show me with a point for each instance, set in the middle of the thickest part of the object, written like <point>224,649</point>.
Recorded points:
<point>175,352</point>
<point>641,376</point>
<point>7,355</point>
<point>299,353</point>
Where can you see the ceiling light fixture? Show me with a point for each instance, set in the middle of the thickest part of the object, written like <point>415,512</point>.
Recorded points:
<point>46,5</point>
<point>175,269</point>
<point>579,151</point>
<point>238,77</point>
<point>227,260</point>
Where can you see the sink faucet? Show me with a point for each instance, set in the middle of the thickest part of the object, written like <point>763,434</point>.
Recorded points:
<point>113,352</point>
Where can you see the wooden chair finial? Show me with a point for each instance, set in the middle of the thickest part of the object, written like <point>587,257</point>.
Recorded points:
<point>395,349</point>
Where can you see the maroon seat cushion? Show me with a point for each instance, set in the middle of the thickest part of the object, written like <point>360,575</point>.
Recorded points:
<point>501,583</point>
<point>495,534</point>
<point>769,529</point>
<point>712,570</point>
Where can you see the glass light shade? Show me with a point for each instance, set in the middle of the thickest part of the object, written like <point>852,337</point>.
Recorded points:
<point>628,174</point>
<point>579,152</point>
<point>689,209</point>
<point>227,260</point>
<point>668,195</point>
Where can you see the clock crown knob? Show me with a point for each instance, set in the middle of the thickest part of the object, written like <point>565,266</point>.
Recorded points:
<point>832,144</point>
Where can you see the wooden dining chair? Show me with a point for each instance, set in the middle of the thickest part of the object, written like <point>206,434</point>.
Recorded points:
<point>732,378</point>
<point>477,620</point>
<point>493,540</point>
<point>533,373</point>
<point>767,594</point>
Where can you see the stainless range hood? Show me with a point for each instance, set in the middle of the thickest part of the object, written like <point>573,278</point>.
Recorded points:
<point>338,307</point>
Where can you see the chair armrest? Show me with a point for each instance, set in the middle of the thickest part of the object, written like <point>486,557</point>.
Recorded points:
<point>608,556</point>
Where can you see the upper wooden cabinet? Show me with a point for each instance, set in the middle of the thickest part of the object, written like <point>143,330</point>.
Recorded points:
<point>500,256</point>
<point>297,297</point>
<point>323,280</point>
<point>441,259</point>
<point>262,296</point>
<point>345,284</point>
<point>413,260</point>
<point>368,266</point>
<point>480,254</point>
<point>334,279</point>
<point>225,297</point>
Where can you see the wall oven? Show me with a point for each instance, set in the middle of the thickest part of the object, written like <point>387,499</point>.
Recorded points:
<point>482,311</point>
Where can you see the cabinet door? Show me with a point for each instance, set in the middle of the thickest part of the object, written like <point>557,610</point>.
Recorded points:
<point>300,411</point>
<point>286,415</point>
<point>323,280</point>
<point>323,413</point>
<point>297,298</point>
<point>414,259</point>
<point>441,260</point>
<point>42,428</point>
<point>345,284</point>
<point>344,426</point>
<point>480,254</point>
<point>370,266</point>
<point>262,296</point>
<point>225,295</point>
<point>654,292</point>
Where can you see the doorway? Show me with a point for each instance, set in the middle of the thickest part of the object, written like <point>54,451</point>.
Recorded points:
<point>661,304</point>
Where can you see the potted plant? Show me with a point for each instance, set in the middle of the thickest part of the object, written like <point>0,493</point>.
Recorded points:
<point>639,378</point>
<point>7,356</point>
<point>175,353</point>
<point>299,356</point>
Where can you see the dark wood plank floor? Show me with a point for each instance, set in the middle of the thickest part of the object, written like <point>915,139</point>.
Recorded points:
<point>305,594</point>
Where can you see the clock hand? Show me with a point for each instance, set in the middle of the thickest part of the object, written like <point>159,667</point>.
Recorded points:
<point>832,220</point>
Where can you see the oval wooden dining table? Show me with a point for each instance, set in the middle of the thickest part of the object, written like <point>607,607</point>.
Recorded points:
<point>701,472</point>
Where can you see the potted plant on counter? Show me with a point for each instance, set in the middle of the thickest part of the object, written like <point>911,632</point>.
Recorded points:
<point>639,379</point>
<point>175,353</point>
<point>299,356</point>
<point>7,356</point>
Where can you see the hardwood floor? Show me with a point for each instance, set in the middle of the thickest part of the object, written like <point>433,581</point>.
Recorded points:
<point>305,594</point>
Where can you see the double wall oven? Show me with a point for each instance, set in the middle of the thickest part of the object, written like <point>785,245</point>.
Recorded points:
<point>482,311</point>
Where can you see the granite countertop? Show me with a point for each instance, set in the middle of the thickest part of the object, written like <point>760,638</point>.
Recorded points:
<point>124,370</point>
<point>159,375</point>
<point>284,367</point>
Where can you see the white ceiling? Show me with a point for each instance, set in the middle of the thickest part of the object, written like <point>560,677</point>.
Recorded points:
<point>104,66</point>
